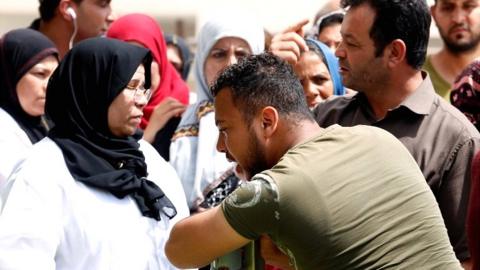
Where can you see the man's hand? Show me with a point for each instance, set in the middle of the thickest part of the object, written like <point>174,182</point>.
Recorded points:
<point>199,239</point>
<point>289,44</point>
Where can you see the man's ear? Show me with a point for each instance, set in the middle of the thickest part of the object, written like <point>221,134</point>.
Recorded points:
<point>269,121</point>
<point>433,11</point>
<point>396,52</point>
<point>63,7</point>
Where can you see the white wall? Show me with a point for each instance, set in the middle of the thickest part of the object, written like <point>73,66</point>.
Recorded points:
<point>274,14</point>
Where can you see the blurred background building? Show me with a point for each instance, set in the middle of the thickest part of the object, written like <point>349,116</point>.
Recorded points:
<point>183,17</point>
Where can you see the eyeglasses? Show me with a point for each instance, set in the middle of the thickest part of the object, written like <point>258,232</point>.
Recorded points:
<point>139,90</point>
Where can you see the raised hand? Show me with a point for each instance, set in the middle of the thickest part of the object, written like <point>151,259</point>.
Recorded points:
<point>167,109</point>
<point>289,44</point>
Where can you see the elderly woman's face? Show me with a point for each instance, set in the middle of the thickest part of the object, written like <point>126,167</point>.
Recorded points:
<point>126,110</point>
<point>315,78</point>
<point>227,51</point>
<point>32,87</point>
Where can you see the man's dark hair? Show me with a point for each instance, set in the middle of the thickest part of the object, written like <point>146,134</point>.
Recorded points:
<point>47,8</point>
<point>408,20</point>
<point>332,19</point>
<point>264,80</point>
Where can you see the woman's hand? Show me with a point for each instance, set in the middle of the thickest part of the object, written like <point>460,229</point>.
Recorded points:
<point>167,109</point>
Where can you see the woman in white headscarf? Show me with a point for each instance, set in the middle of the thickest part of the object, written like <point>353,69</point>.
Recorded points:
<point>221,42</point>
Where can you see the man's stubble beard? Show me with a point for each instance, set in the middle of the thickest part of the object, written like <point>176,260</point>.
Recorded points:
<point>257,157</point>
<point>461,47</point>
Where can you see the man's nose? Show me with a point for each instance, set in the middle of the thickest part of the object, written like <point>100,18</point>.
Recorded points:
<point>221,143</point>
<point>112,16</point>
<point>459,15</point>
<point>340,51</point>
<point>232,59</point>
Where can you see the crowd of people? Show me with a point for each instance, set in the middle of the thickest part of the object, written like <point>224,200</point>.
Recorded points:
<point>339,146</point>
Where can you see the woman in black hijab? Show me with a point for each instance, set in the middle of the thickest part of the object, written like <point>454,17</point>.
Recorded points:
<point>27,59</point>
<point>179,54</point>
<point>90,178</point>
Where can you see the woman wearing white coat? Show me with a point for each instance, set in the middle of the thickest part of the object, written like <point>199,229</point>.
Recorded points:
<point>91,195</point>
<point>27,59</point>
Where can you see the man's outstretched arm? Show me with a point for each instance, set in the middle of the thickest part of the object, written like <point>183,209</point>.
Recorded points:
<point>198,240</point>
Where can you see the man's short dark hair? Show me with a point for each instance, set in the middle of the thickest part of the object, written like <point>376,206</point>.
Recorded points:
<point>264,80</point>
<point>47,8</point>
<point>408,20</point>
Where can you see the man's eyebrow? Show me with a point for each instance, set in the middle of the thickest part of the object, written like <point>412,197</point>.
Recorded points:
<point>348,35</point>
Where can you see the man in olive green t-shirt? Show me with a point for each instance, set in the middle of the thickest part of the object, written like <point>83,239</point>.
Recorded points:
<point>335,198</point>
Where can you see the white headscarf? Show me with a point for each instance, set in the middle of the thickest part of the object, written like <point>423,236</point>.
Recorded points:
<point>213,31</point>
<point>193,154</point>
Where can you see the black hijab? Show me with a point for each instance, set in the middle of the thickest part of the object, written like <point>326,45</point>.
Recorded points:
<point>20,50</point>
<point>79,94</point>
<point>185,53</point>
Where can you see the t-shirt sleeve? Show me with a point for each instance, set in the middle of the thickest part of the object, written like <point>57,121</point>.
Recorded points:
<point>252,209</point>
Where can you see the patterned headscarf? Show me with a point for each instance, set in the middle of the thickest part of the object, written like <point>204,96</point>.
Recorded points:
<point>465,94</point>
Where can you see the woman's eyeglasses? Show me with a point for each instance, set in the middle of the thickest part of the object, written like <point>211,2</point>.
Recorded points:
<point>139,91</point>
